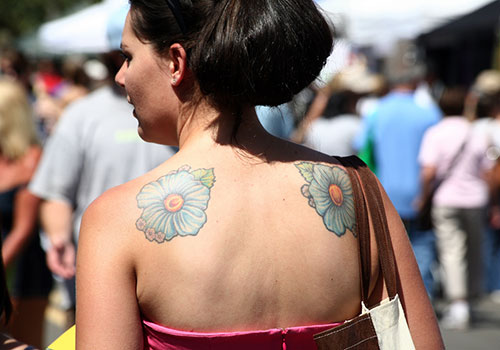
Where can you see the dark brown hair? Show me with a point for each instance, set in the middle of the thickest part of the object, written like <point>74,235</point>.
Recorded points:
<point>452,101</point>
<point>242,52</point>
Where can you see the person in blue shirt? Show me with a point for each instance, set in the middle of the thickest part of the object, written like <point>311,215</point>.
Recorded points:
<point>397,126</point>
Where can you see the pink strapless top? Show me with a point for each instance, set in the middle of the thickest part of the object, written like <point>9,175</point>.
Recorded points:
<point>157,337</point>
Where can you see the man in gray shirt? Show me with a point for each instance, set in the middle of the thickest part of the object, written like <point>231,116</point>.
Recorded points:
<point>95,146</point>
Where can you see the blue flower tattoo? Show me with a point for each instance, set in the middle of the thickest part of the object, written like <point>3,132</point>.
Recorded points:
<point>329,191</point>
<point>175,204</point>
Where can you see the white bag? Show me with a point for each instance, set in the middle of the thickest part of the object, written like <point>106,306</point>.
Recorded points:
<point>389,321</point>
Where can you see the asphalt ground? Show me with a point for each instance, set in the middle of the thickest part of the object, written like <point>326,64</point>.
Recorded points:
<point>484,331</point>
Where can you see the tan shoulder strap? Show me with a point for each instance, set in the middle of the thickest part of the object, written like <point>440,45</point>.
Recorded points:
<point>367,195</point>
<point>362,228</point>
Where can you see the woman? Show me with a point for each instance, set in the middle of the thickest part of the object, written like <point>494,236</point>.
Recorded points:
<point>222,236</point>
<point>453,154</point>
<point>29,277</point>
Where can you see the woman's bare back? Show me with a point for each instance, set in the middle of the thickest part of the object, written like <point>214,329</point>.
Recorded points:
<point>251,250</point>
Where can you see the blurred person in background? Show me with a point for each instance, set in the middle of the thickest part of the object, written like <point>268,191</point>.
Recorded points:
<point>483,106</point>
<point>358,83</point>
<point>277,121</point>
<point>485,86</point>
<point>29,279</point>
<point>396,128</point>
<point>56,88</point>
<point>46,80</point>
<point>332,127</point>
<point>75,83</point>
<point>453,153</point>
<point>95,146</point>
<point>14,64</point>
<point>333,132</point>
<point>491,129</point>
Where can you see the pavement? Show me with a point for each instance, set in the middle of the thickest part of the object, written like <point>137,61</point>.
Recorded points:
<point>57,318</point>
<point>484,333</point>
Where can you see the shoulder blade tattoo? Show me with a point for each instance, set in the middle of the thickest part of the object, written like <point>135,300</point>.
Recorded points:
<point>329,191</point>
<point>175,204</point>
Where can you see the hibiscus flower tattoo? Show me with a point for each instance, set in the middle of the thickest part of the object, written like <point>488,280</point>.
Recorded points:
<point>329,191</point>
<point>175,204</point>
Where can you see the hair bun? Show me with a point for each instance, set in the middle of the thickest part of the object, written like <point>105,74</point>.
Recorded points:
<point>260,52</point>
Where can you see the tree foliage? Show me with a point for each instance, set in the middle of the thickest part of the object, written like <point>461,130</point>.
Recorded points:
<point>19,17</point>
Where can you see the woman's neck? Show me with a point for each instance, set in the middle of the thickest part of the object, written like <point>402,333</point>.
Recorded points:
<point>208,128</point>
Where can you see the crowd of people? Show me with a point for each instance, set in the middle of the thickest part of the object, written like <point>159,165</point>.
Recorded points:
<point>422,141</point>
<point>441,143</point>
<point>67,135</point>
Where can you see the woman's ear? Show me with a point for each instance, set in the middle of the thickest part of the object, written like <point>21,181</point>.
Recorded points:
<point>177,64</point>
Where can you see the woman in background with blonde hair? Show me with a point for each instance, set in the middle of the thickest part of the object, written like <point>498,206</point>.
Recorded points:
<point>28,277</point>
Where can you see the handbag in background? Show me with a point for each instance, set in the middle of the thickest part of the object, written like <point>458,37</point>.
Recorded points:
<point>424,214</point>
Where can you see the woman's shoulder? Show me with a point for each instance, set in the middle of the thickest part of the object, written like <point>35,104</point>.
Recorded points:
<point>118,205</point>
<point>107,213</point>
<point>109,225</point>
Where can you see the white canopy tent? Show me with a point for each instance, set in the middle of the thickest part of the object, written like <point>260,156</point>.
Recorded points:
<point>381,23</point>
<point>378,24</point>
<point>81,32</point>
<point>365,22</point>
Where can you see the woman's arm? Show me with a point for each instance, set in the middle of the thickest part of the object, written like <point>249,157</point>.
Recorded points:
<point>24,222</point>
<point>25,204</point>
<point>19,172</point>
<point>315,111</point>
<point>420,315</point>
<point>427,178</point>
<point>55,217</point>
<point>107,312</point>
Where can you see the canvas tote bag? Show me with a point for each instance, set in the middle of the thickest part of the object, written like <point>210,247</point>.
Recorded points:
<point>383,326</point>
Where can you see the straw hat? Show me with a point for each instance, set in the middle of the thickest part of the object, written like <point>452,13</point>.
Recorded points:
<point>487,82</point>
<point>356,78</point>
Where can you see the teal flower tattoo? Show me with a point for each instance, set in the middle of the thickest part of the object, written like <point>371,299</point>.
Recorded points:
<point>175,204</point>
<point>329,191</point>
